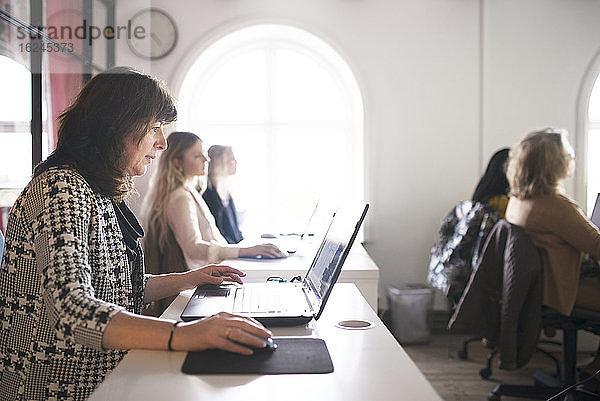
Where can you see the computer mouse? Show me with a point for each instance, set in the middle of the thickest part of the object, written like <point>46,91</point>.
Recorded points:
<point>267,235</point>
<point>270,347</point>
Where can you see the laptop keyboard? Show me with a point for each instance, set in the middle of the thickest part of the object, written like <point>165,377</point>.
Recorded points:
<point>258,299</point>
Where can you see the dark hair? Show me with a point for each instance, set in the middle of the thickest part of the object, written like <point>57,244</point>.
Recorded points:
<point>494,180</point>
<point>113,109</point>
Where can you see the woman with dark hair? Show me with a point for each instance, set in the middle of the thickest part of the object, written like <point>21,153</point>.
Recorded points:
<point>493,186</point>
<point>465,229</point>
<point>72,276</point>
<point>217,194</point>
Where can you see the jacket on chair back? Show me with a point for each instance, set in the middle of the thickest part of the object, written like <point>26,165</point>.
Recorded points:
<point>503,300</point>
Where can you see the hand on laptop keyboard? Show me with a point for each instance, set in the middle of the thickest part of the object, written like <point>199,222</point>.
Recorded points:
<point>263,251</point>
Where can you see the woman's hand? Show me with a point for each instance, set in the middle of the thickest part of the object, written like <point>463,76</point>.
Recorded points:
<point>166,285</point>
<point>264,250</point>
<point>223,331</point>
<point>215,274</point>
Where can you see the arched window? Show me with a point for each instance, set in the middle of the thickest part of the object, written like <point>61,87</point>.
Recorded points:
<point>15,119</point>
<point>15,130</point>
<point>593,146</point>
<point>292,110</point>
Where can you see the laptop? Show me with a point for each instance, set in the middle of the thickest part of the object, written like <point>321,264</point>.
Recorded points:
<point>288,243</point>
<point>289,303</point>
<point>291,242</point>
<point>596,212</point>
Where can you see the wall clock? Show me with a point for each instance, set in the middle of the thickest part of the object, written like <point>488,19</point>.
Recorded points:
<point>153,34</point>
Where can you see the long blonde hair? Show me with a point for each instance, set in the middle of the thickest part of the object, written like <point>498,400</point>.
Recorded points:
<point>167,179</point>
<point>539,163</point>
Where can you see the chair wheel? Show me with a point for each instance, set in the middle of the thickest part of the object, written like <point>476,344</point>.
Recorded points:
<point>462,354</point>
<point>485,373</point>
<point>493,397</point>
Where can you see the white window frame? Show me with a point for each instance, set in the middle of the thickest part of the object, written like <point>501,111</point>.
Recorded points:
<point>584,126</point>
<point>8,192</point>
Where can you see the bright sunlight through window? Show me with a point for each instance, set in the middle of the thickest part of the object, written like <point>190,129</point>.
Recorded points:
<point>291,108</point>
<point>15,118</point>
<point>593,168</point>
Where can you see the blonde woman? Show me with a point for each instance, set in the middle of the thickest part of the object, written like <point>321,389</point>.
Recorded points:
<point>537,167</point>
<point>181,232</point>
<point>217,195</point>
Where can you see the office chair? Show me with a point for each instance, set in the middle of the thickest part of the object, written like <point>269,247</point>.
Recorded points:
<point>546,386</point>
<point>503,299</point>
<point>486,372</point>
<point>503,294</point>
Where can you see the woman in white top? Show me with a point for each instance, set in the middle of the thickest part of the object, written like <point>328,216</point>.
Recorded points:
<point>181,231</point>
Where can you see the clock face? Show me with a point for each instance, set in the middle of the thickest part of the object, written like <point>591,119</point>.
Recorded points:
<point>153,34</point>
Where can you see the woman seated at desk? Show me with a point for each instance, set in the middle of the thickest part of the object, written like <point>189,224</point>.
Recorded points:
<point>181,230</point>
<point>492,189</point>
<point>538,165</point>
<point>222,165</point>
<point>72,276</point>
<point>465,229</point>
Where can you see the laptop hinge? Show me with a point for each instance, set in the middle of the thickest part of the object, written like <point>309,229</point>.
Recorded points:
<point>311,299</point>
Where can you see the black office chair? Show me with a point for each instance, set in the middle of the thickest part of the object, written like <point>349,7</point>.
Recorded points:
<point>505,292</point>
<point>487,371</point>
<point>546,386</point>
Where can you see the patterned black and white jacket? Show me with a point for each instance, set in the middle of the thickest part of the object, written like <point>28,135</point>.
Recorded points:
<point>64,275</point>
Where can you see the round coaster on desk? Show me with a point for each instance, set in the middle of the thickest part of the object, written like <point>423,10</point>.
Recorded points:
<point>354,324</point>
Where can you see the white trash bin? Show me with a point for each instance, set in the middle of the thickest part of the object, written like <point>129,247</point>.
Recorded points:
<point>411,306</point>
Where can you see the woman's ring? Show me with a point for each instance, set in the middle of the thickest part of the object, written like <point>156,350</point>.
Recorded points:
<point>227,331</point>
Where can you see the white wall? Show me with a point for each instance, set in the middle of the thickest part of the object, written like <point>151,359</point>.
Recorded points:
<point>431,121</point>
<point>536,56</point>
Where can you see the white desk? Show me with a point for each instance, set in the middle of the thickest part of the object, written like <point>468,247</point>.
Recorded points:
<point>369,365</point>
<point>359,269</point>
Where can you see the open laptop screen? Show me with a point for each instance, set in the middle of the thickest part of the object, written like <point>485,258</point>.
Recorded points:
<point>596,212</point>
<point>321,272</point>
<point>333,251</point>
